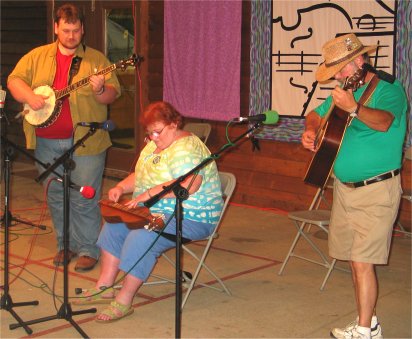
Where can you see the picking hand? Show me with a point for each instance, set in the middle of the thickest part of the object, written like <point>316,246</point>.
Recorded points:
<point>308,140</point>
<point>37,101</point>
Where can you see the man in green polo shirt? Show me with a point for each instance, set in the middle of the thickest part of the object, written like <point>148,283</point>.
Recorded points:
<point>367,188</point>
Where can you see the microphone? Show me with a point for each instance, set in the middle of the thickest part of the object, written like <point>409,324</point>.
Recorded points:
<point>267,118</point>
<point>2,101</point>
<point>381,74</point>
<point>2,97</point>
<point>107,125</point>
<point>87,192</point>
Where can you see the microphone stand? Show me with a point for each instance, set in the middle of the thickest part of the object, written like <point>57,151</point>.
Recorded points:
<point>182,194</point>
<point>9,152</point>
<point>65,311</point>
<point>6,302</point>
<point>10,145</point>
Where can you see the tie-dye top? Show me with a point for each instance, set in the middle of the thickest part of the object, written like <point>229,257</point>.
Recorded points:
<point>180,157</point>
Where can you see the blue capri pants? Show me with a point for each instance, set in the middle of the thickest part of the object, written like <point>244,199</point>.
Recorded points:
<point>130,246</point>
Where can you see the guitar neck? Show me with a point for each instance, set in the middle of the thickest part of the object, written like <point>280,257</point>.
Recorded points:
<point>325,119</point>
<point>67,90</point>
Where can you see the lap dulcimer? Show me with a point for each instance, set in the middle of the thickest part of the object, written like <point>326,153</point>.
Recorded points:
<point>134,218</point>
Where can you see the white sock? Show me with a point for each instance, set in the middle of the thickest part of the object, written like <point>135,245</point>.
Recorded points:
<point>374,321</point>
<point>364,330</point>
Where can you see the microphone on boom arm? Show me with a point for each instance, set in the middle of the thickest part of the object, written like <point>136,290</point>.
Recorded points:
<point>2,97</point>
<point>381,74</point>
<point>107,125</point>
<point>2,101</point>
<point>87,192</point>
<point>267,118</point>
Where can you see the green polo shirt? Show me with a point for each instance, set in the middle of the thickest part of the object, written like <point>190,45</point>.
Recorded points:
<point>365,152</point>
<point>38,67</point>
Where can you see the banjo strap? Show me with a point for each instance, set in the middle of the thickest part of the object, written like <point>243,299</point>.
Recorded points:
<point>75,66</point>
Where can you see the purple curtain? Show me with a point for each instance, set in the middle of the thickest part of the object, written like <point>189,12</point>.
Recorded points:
<point>202,58</point>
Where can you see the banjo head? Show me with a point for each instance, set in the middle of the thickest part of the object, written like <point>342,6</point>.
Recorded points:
<point>40,117</point>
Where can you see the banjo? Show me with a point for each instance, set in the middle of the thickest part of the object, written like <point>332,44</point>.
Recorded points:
<point>47,115</point>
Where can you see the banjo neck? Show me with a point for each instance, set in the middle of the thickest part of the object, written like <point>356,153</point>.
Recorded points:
<point>61,93</point>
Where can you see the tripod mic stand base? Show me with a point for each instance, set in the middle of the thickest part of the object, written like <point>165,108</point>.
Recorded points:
<point>65,312</point>
<point>20,221</point>
<point>7,304</point>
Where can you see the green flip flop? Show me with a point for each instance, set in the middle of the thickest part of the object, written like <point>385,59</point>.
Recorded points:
<point>115,312</point>
<point>95,296</point>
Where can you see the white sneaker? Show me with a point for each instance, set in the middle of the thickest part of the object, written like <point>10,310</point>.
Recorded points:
<point>355,333</point>
<point>345,333</point>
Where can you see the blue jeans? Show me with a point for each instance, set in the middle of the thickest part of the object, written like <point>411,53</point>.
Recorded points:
<point>139,249</point>
<point>84,214</point>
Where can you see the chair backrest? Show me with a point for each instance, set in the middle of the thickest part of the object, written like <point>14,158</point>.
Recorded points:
<point>201,129</point>
<point>228,182</point>
<point>408,153</point>
<point>320,194</point>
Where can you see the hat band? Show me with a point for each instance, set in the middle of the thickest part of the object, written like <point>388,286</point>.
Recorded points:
<point>329,64</point>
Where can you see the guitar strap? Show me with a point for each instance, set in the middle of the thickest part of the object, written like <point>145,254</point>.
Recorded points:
<point>366,96</point>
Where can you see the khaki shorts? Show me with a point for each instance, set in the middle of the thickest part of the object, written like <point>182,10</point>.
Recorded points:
<point>362,221</point>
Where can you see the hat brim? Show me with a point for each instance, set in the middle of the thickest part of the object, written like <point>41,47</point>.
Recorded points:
<point>324,73</point>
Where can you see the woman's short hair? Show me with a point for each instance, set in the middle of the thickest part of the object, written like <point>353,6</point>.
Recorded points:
<point>161,111</point>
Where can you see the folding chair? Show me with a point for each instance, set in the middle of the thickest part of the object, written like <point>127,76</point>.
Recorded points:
<point>407,194</point>
<point>228,181</point>
<point>316,217</point>
<point>201,129</point>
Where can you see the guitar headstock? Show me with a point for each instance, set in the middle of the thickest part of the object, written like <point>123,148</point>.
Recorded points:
<point>356,80</point>
<point>131,61</point>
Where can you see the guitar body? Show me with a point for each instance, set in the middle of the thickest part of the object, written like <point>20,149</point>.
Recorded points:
<point>329,137</point>
<point>320,167</point>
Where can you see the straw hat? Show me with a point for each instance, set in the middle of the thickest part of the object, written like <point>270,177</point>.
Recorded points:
<point>338,53</point>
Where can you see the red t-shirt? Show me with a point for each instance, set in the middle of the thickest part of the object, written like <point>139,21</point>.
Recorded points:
<point>62,128</point>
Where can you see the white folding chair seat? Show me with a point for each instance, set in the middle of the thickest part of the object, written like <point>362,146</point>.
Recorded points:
<point>228,181</point>
<point>200,129</point>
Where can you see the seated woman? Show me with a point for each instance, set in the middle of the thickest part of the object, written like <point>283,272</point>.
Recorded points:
<point>170,153</point>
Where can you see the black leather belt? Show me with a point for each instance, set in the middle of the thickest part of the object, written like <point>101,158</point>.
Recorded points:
<point>378,178</point>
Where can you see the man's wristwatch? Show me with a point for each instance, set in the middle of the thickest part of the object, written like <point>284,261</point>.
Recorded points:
<point>354,113</point>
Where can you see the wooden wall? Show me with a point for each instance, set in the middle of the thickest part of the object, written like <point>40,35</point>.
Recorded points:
<point>18,24</point>
<point>273,176</point>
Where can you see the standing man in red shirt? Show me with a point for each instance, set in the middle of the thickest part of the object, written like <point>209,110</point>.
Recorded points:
<point>53,65</point>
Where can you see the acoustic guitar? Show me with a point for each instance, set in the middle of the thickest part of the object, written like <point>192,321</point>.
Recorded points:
<point>329,137</point>
<point>50,112</point>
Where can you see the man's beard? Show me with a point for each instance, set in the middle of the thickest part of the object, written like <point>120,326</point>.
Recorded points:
<point>74,45</point>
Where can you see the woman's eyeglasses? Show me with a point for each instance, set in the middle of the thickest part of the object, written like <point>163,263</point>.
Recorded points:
<point>155,134</point>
